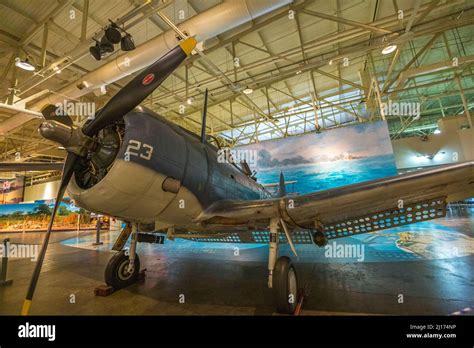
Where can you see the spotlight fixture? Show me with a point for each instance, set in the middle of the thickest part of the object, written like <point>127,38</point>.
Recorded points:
<point>248,90</point>
<point>101,48</point>
<point>112,36</point>
<point>126,43</point>
<point>24,64</point>
<point>389,48</point>
<point>190,100</point>
<point>113,33</point>
<point>106,44</point>
<point>97,51</point>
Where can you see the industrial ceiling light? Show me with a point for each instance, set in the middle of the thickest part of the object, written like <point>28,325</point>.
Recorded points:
<point>190,100</point>
<point>112,36</point>
<point>101,48</point>
<point>126,43</point>
<point>248,90</point>
<point>436,131</point>
<point>113,33</point>
<point>96,51</point>
<point>389,48</point>
<point>24,64</point>
<point>106,44</point>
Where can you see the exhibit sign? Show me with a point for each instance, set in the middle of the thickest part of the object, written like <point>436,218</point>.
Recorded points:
<point>320,161</point>
<point>12,190</point>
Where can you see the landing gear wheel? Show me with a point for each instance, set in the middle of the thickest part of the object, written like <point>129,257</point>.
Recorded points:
<point>117,274</point>
<point>285,286</point>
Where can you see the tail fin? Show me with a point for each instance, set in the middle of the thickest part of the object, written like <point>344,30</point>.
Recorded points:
<point>281,187</point>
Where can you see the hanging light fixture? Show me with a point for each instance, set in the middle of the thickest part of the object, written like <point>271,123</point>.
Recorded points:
<point>248,90</point>
<point>113,33</point>
<point>106,44</point>
<point>101,48</point>
<point>112,36</point>
<point>126,43</point>
<point>24,64</point>
<point>389,48</point>
<point>97,51</point>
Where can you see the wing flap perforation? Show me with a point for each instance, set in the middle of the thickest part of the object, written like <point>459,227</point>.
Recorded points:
<point>417,212</point>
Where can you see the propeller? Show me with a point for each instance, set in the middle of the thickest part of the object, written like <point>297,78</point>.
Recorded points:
<point>78,141</point>
<point>68,169</point>
<point>204,117</point>
<point>55,113</point>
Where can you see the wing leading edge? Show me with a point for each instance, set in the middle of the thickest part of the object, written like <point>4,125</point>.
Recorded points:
<point>353,209</point>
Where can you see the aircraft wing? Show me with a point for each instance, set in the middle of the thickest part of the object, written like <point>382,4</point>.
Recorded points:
<point>354,209</point>
<point>30,166</point>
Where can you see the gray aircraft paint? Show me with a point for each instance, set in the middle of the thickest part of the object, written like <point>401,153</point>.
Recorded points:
<point>132,189</point>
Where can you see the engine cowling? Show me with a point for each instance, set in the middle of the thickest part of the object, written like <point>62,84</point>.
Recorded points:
<point>135,173</point>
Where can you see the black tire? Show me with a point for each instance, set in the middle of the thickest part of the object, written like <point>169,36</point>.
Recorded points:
<point>285,286</point>
<point>116,275</point>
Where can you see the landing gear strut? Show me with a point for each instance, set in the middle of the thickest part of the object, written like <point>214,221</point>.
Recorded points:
<point>281,275</point>
<point>123,268</point>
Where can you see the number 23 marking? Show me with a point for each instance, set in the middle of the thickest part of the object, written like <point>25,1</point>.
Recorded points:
<point>136,148</point>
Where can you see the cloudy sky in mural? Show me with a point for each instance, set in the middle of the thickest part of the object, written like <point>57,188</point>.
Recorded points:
<point>360,141</point>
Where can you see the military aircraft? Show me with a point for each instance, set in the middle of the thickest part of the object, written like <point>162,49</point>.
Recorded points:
<point>133,164</point>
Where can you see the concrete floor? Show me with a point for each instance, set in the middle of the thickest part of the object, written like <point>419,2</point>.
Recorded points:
<point>216,282</point>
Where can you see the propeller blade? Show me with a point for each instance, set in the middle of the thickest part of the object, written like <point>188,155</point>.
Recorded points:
<point>68,170</point>
<point>204,117</point>
<point>52,112</point>
<point>140,87</point>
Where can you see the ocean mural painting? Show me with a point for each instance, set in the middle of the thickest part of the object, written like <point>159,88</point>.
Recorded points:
<point>320,161</point>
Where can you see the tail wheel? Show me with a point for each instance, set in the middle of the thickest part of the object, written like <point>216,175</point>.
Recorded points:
<point>117,272</point>
<point>285,286</point>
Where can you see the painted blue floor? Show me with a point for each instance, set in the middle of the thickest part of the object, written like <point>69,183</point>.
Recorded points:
<point>449,237</point>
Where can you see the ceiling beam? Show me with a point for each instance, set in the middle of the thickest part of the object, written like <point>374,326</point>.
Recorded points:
<point>346,21</point>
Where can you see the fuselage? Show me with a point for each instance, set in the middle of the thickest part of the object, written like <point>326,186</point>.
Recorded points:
<point>164,175</point>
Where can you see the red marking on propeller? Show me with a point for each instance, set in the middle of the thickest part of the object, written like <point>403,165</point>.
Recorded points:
<point>148,79</point>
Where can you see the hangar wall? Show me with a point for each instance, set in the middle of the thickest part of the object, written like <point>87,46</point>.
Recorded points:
<point>41,191</point>
<point>453,144</point>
